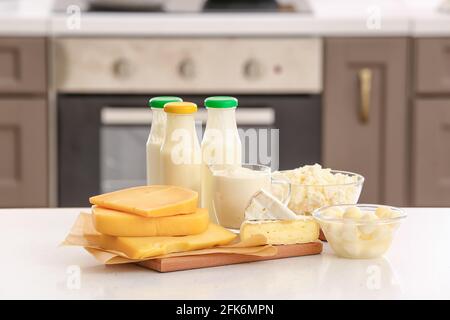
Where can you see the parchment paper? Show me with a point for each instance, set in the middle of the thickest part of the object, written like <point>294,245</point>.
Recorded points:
<point>84,234</point>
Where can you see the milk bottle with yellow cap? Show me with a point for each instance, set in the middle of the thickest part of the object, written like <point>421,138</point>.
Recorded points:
<point>220,145</point>
<point>180,157</point>
<point>156,136</point>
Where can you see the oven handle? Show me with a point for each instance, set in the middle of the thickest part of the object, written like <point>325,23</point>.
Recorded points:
<point>141,116</point>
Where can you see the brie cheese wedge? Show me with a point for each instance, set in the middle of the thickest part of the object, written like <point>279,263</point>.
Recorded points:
<point>264,206</point>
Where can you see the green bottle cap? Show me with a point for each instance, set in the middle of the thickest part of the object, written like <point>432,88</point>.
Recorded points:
<point>221,102</point>
<point>159,102</point>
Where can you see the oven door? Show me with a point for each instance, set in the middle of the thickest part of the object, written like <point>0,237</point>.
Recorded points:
<point>101,139</point>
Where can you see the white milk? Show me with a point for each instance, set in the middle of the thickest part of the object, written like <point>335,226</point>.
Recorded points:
<point>154,142</point>
<point>153,166</point>
<point>233,189</point>
<point>220,145</point>
<point>180,159</point>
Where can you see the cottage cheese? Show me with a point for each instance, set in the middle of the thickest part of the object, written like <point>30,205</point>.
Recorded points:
<point>314,187</point>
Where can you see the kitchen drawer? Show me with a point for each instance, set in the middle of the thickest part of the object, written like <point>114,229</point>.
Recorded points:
<point>23,65</point>
<point>195,65</point>
<point>23,153</point>
<point>431,152</point>
<point>432,65</point>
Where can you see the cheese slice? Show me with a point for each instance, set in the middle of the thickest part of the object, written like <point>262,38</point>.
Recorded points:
<point>302,230</point>
<point>150,201</point>
<point>146,247</point>
<point>116,223</point>
<point>264,206</point>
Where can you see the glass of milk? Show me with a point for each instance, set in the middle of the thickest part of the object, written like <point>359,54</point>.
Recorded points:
<point>234,186</point>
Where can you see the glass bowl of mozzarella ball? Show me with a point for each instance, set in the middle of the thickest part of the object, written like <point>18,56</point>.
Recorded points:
<point>362,231</point>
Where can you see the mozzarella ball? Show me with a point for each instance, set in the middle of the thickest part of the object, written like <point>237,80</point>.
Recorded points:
<point>333,212</point>
<point>368,227</point>
<point>352,213</point>
<point>350,232</point>
<point>383,212</point>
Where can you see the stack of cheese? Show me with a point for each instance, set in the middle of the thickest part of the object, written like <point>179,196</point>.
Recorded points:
<point>150,221</point>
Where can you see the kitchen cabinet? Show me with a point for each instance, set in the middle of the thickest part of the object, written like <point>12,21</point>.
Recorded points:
<point>431,152</point>
<point>431,123</point>
<point>23,144</point>
<point>23,123</point>
<point>22,66</point>
<point>365,118</point>
<point>432,65</point>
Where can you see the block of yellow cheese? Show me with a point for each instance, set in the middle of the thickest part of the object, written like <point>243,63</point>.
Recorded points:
<point>146,247</point>
<point>117,223</point>
<point>150,201</point>
<point>282,231</point>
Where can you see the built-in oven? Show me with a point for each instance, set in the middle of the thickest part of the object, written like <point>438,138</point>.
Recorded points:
<point>103,120</point>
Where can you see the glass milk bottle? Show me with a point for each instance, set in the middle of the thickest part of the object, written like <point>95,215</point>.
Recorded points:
<point>156,136</point>
<point>180,159</point>
<point>220,145</point>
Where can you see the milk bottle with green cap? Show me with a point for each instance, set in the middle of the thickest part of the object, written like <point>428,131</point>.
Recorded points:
<point>156,136</point>
<point>221,143</point>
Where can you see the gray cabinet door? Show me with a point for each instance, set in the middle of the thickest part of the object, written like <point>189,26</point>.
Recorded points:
<point>23,65</point>
<point>432,65</point>
<point>364,114</point>
<point>23,152</point>
<point>431,152</point>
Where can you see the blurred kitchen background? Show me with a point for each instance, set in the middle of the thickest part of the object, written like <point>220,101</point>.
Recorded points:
<point>355,85</point>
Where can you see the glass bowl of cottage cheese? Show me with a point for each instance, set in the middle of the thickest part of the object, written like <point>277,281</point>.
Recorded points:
<point>313,187</point>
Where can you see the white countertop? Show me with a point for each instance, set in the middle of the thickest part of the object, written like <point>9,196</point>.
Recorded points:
<point>34,266</point>
<point>329,18</point>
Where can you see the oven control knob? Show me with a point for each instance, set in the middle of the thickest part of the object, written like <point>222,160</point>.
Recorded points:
<point>186,69</point>
<point>252,69</point>
<point>122,68</point>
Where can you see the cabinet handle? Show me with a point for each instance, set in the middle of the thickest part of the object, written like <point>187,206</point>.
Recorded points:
<point>252,69</point>
<point>365,87</point>
<point>122,68</point>
<point>186,69</point>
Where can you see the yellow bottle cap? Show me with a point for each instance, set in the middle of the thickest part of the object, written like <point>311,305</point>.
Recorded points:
<point>180,107</point>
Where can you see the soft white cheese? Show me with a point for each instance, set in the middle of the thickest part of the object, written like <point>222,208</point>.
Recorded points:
<point>264,206</point>
<point>358,235</point>
<point>314,187</point>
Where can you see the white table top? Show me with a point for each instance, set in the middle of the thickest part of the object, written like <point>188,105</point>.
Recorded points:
<point>328,18</point>
<point>34,266</point>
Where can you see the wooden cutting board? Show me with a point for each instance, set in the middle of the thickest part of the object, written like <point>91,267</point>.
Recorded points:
<point>322,236</point>
<point>222,259</point>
